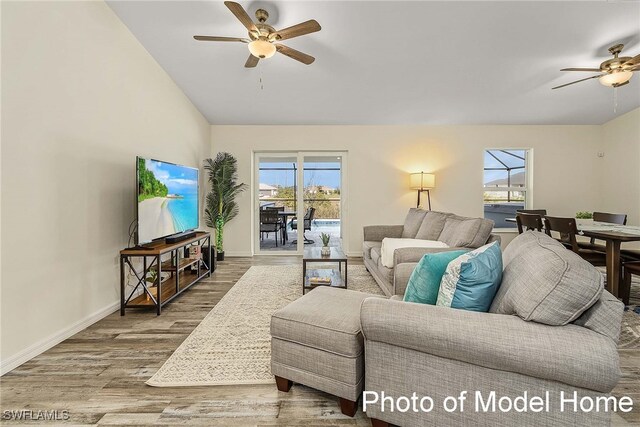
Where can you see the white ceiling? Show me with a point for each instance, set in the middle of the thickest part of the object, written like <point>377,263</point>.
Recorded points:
<point>385,62</point>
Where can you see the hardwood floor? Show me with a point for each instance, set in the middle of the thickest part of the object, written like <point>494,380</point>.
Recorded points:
<point>99,374</point>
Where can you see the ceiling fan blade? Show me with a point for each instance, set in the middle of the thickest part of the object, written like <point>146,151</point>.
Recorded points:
<point>252,61</point>
<point>635,68</point>
<point>597,70</point>
<point>307,27</point>
<point>634,60</point>
<point>220,39</point>
<point>295,54</point>
<point>577,81</point>
<point>242,15</point>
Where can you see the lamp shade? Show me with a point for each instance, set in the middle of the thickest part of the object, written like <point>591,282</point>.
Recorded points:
<point>262,49</point>
<point>616,78</point>
<point>422,181</point>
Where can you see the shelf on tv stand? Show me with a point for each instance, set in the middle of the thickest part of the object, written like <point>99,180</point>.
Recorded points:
<point>180,279</point>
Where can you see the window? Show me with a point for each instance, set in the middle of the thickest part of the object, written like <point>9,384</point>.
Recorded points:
<point>506,184</point>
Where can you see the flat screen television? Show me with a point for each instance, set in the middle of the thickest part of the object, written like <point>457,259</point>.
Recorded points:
<point>167,199</point>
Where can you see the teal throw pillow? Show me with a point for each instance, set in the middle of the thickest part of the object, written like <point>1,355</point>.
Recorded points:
<point>424,282</point>
<point>471,281</point>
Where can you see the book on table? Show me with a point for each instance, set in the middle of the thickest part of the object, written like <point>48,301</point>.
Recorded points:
<point>320,280</point>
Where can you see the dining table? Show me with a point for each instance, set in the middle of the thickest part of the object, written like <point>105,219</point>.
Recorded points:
<point>614,235</point>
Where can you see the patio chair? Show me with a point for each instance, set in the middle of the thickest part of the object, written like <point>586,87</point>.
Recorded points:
<point>270,223</point>
<point>283,223</point>
<point>308,219</point>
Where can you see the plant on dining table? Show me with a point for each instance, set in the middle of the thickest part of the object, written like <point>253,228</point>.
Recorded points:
<point>584,215</point>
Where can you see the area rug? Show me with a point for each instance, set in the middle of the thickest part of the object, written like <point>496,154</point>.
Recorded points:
<point>232,345</point>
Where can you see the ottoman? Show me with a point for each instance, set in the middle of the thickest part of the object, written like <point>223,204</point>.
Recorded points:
<point>316,341</point>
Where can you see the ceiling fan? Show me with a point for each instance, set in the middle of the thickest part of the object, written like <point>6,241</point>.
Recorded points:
<point>614,72</point>
<point>263,37</point>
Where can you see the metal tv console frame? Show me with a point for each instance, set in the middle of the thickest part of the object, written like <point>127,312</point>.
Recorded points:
<point>179,267</point>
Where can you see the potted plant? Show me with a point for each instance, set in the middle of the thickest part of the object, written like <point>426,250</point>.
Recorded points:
<point>326,250</point>
<point>220,203</point>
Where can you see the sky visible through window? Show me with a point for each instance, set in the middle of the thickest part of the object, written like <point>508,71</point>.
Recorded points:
<point>286,178</point>
<point>510,159</point>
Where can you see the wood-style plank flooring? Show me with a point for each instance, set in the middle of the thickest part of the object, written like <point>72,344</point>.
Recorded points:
<point>99,374</point>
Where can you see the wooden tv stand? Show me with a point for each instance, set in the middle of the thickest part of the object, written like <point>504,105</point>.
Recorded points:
<point>180,279</point>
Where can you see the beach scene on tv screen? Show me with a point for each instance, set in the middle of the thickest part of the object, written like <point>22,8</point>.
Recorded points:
<point>167,199</point>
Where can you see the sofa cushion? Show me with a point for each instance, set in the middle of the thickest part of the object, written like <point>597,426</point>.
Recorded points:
<point>326,318</point>
<point>470,281</point>
<point>432,225</point>
<point>375,255</point>
<point>544,282</point>
<point>412,222</point>
<point>604,317</point>
<point>424,282</point>
<point>466,232</point>
<point>367,246</point>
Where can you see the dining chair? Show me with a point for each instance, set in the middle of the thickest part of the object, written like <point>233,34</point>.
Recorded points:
<point>270,223</point>
<point>630,269</point>
<point>568,230</point>
<point>541,212</point>
<point>527,221</point>
<point>611,218</point>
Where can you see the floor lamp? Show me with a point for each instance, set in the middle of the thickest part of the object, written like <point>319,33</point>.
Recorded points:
<point>421,181</point>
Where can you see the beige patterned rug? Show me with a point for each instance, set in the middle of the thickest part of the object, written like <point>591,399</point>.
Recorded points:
<point>232,345</point>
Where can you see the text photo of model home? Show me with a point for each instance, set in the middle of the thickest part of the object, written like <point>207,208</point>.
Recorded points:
<point>226,212</point>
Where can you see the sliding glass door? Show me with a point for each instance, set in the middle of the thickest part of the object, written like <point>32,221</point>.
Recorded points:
<point>297,197</point>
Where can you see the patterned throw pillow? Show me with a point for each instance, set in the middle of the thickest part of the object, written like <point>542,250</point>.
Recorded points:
<point>424,282</point>
<point>471,281</point>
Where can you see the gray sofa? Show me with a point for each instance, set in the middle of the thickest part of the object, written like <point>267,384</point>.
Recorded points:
<point>551,328</point>
<point>456,231</point>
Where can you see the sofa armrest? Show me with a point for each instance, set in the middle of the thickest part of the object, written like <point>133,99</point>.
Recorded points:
<point>375,233</point>
<point>494,238</point>
<point>401,274</point>
<point>402,255</point>
<point>570,354</point>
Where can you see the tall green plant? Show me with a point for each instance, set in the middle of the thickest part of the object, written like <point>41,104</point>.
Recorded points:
<point>221,206</point>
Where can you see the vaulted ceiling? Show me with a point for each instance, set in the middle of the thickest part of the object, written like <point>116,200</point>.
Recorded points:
<point>388,62</point>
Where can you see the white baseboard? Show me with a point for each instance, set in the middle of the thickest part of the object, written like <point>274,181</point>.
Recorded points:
<point>237,254</point>
<point>40,347</point>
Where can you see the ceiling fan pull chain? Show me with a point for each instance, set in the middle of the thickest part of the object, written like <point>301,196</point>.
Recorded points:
<point>261,84</point>
<point>615,100</point>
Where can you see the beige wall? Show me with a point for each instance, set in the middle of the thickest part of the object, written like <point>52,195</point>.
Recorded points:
<point>80,99</point>
<point>621,171</point>
<point>565,168</point>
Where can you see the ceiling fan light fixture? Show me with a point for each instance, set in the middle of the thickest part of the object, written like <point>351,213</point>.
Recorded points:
<point>262,49</point>
<point>616,78</point>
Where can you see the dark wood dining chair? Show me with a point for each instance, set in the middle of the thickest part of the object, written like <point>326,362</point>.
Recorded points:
<point>568,230</point>
<point>603,217</point>
<point>630,269</point>
<point>527,221</point>
<point>541,212</point>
